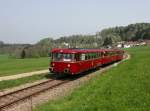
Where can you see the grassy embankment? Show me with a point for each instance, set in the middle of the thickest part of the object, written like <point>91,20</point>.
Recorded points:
<point>123,88</point>
<point>21,81</point>
<point>10,66</point>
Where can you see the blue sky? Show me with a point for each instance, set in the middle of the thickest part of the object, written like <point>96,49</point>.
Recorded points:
<point>28,21</point>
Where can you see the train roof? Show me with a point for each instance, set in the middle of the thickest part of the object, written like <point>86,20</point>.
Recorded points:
<point>76,50</point>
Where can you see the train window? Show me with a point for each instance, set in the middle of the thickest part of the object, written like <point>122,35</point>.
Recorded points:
<point>68,57</point>
<point>57,56</point>
<point>114,53</point>
<point>98,54</point>
<point>63,57</point>
<point>89,56</point>
<point>110,53</point>
<point>82,57</point>
<point>102,54</point>
<point>105,53</point>
<point>77,57</point>
<point>95,55</point>
<point>86,56</point>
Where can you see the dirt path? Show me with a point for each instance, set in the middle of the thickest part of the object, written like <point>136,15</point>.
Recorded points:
<point>17,76</point>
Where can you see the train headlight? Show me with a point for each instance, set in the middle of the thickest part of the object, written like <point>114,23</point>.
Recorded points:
<point>66,71</point>
<point>68,65</point>
<point>53,64</point>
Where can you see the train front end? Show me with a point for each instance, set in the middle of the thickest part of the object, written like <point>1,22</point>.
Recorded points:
<point>62,62</point>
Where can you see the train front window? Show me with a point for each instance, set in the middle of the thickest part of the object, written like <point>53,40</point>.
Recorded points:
<point>67,57</point>
<point>57,56</point>
<point>63,57</point>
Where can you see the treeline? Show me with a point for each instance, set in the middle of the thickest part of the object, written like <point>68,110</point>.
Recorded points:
<point>132,32</point>
<point>43,47</point>
<point>109,36</point>
<point>14,50</point>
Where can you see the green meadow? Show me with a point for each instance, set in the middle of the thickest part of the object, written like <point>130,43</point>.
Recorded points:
<point>17,82</point>
<point>122,88</point>
<point>10,66</point>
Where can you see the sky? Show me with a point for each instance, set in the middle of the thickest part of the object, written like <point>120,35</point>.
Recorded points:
<point>28,21</point>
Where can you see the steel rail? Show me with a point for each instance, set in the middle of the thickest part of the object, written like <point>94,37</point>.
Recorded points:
<point>38,91</point>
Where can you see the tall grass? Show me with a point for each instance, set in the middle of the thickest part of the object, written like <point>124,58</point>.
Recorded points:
<point>123,88</point>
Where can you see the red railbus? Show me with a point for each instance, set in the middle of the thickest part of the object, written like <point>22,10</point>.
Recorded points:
<point>75,61</point>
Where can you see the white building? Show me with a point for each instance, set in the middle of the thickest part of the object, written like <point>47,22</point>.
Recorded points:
<point>127,46</point>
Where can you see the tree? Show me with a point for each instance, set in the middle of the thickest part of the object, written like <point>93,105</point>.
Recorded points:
<point>108,41</point>
<point>23,54</point>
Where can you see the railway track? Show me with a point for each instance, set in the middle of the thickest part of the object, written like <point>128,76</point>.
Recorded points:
<point>13,97</point>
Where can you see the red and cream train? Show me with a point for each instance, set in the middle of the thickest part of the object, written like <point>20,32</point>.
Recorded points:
<point>75,61</point>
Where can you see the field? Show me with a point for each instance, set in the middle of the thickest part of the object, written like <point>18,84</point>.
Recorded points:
<point>21,81</point>
<point>123,88</point>
<point>10,66</point>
